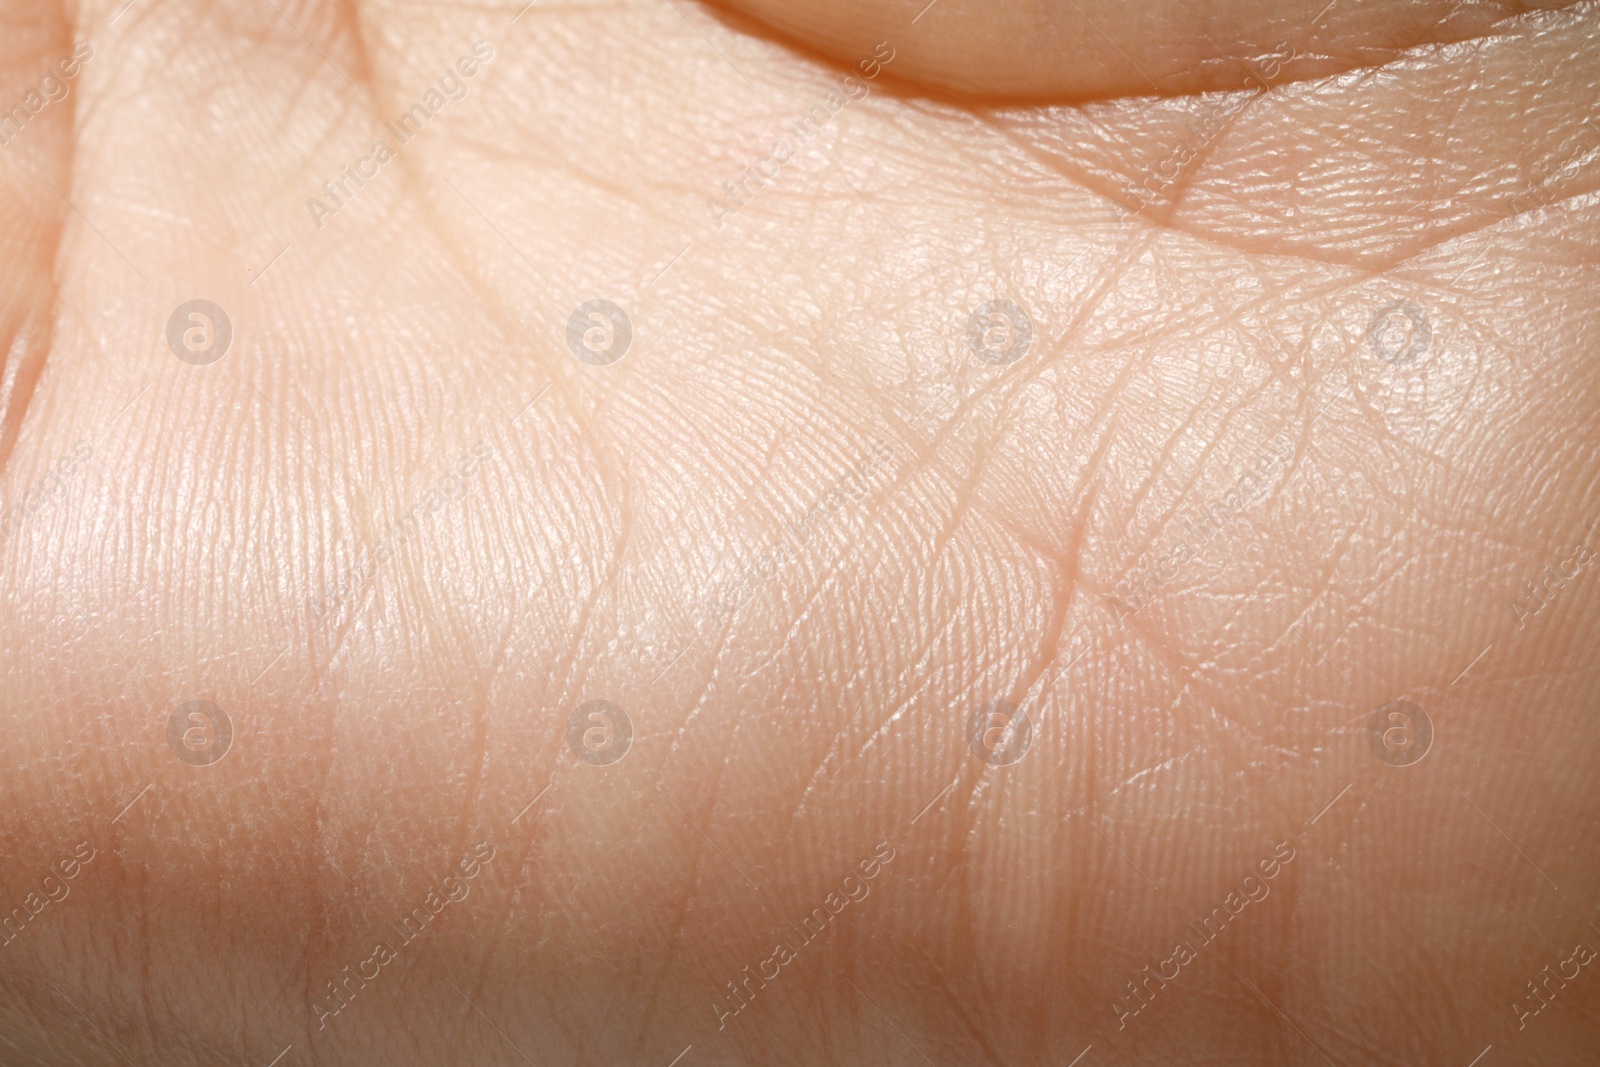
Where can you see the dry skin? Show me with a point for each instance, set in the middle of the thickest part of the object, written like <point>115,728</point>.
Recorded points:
<point>1197,426</point>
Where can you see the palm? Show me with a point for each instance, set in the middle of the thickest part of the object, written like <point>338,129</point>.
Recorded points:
<point>804,536</point>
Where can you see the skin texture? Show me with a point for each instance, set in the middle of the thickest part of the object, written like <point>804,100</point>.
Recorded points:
<point>1091,49</point>
<point>800,649</point>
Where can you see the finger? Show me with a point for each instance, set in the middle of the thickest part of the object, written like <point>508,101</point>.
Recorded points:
<point>1088,49</point>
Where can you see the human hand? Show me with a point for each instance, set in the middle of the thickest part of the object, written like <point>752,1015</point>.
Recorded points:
<point>1199,428</point>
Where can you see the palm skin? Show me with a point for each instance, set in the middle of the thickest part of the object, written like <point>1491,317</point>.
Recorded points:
<point>804,534</point>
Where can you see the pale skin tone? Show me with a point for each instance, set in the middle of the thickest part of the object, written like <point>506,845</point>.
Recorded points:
<point>801,532</point>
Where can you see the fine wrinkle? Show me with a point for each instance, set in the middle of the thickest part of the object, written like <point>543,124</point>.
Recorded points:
<point>28,312</point>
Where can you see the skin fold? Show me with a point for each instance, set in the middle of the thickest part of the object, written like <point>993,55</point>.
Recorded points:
<point>1090,49</point>
<point>1304,425</point>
